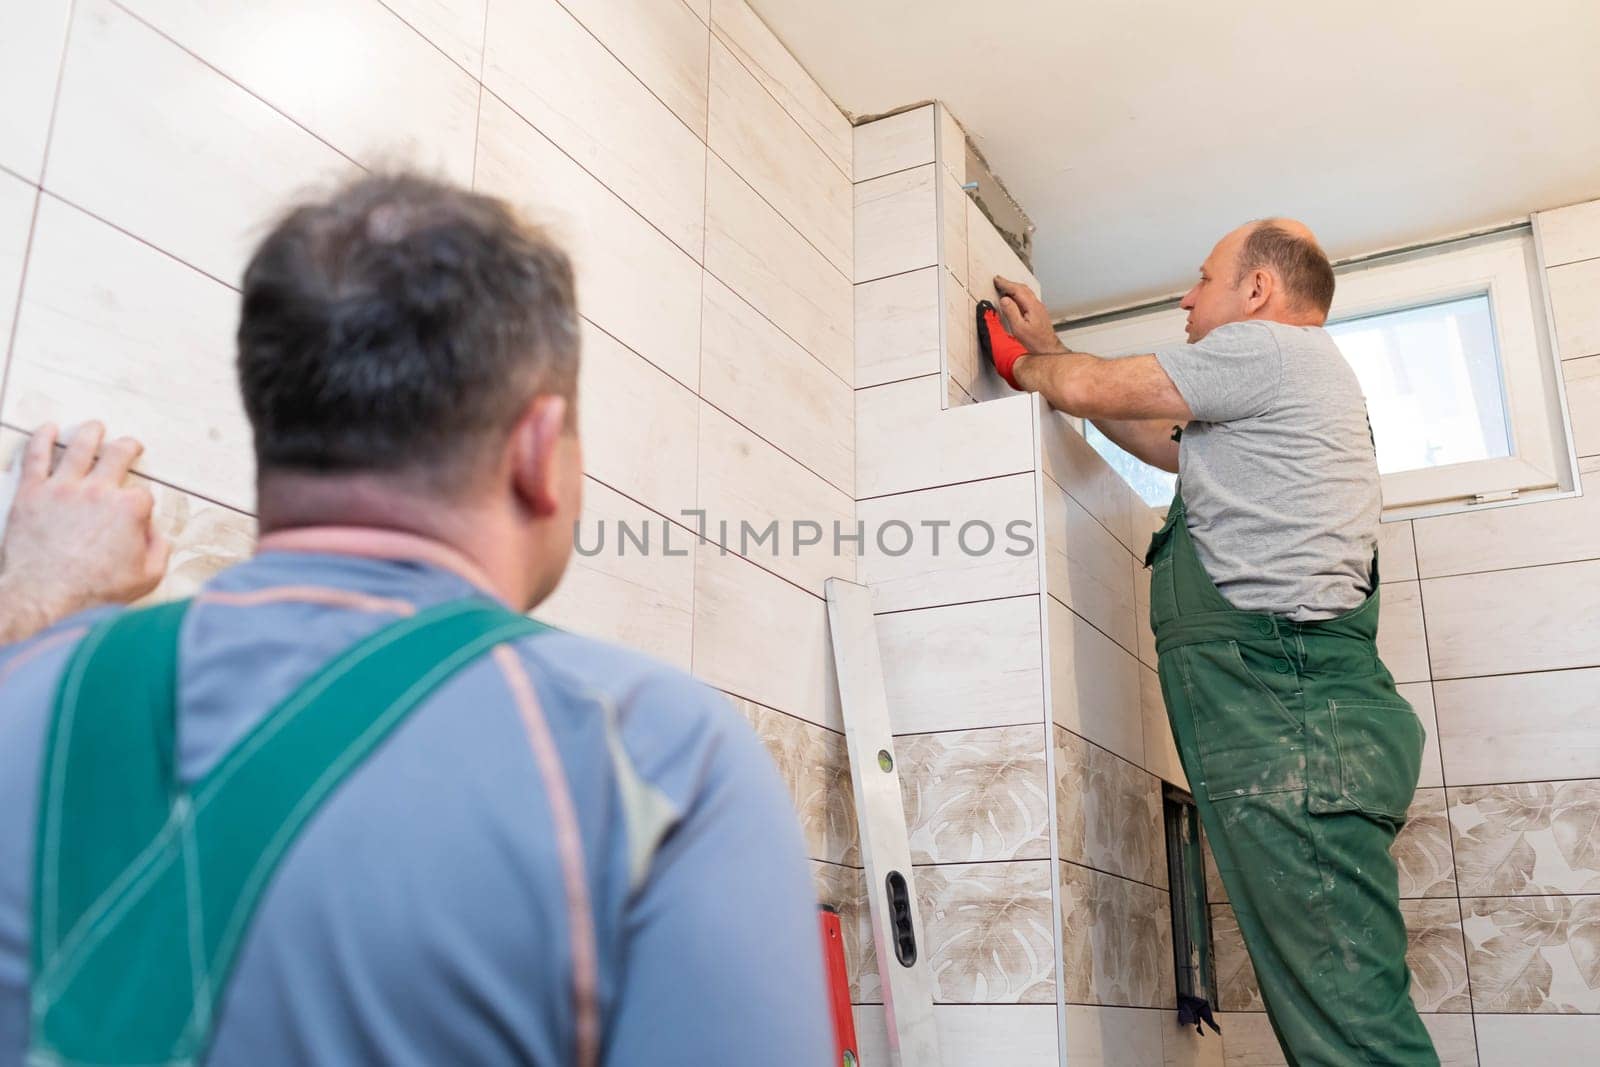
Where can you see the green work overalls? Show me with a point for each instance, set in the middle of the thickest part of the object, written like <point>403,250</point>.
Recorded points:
<point>1303,759</point>
<point>144,885</point>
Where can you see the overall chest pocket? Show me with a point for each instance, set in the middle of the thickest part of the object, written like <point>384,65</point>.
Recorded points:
<point>1248,734</point>
<point>1364,755</point>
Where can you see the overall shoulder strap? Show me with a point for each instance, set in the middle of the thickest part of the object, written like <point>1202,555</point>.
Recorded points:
<point>140,912</point>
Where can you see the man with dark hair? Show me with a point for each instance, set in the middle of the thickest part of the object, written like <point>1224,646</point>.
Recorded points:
<point>349,805</point>
<point>1264,600</point>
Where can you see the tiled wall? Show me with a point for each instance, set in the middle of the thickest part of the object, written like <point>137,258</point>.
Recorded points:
<point>701,179</point>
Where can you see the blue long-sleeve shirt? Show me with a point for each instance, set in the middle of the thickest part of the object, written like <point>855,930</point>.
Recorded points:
<point>429,913</point>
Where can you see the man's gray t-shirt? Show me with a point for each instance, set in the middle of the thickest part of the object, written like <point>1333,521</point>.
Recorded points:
<point>1277,470</point>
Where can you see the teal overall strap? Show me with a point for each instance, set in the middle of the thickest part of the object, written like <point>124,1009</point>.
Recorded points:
<point>144,888</point>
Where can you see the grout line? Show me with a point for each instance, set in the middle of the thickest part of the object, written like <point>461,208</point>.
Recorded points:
<point>772,322</point>
<point>971,729</point>
<point>74,205</point>
<point>1111,874</point>
<point>1503,570</point>
<point>902,170</point>
<point>779,711</point>
<point>780,450</point>
<point>941,485</point>
<point>900,381</point>
<point>956,604</point>
<point>1102,633</point>
<point>847,276</point>
<point>430,42</point>
<point>24,179</point>
<point>1504,674</point>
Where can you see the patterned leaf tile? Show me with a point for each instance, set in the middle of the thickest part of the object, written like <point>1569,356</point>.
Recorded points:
<point>1525,839</point>
<point>845,888</point>
<point>815,766</point>
<point>973,795</point>
<point>1108,812</point>
<point>988,929</point>
<point>1534,954</point>
<point>1116,940</point>
<point>1422,849</point>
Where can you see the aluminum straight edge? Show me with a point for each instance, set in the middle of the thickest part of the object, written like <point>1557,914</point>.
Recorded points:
<point>880,812</point>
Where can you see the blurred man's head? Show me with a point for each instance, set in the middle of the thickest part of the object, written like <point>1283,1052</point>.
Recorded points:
<point>1272,269</point>
<point>408,357</point>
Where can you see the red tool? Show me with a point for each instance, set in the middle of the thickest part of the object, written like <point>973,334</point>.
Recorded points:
<point>844,1023</point>
<point>998,346</point>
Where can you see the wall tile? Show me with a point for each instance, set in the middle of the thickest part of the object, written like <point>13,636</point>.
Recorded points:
<point>1397,552</point>
<point>962,667</point>
<point>1088,569</point>
<point>627,408</point>
<point>744,479</point>
<point>30,61</point>
<point>544,64</point>
<point>616,592</point>
<point>757,138</point>
<point>191,162</point>
<point>952,144</point>
<point>989,931</point>
<point>1075,466</point>
<point>897,327</point>
<point>1108,812</point>
<point>1555,531</point>
<point>961,339</point>
<point>765,260</point>
<point>1486,733</point>
<point>1116,940</point>
<point>1510,621</point>
<point>1422,851</point>
<point>904,442</point>
<point>758,48</point>
<point>410,106</point>
<point>1114,1037</point>
<point>1531,838</point>
<point>975,795</point>
<point>1534,954</point>
<point>1094,685</point>
<point>1237,988</point>
<point>1181,1046</point>
<point>815,767</point>
<point>989,255</point>
<point>953,209</point>
<point>1577,312</point>
<point>1250,1041</point>
<point>1505,1040</point>
<point>845,889</point>
<point>951,559</point>
<point>16,221</point>
<point>1583,403</point>
<point>664,45</point>
<point>454,26</point>
<point>131,338</point>
<point>1402,641</point>
<point>896,224</point>
<point>1141,607</point>
<point>1570,233</point>
<point>760,637</point>
<point>614,250</point>
<point>1160,750</point>
<point>894,143</point>
<point>757,374</point>
<point>1420,694</point>
<point>1017,1035</point>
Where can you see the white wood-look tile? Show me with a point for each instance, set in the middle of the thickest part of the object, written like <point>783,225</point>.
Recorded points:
<point>1182,1047</point>
<point>1084,473</point>
<point>1420,694</point>
<point>765,260</point>
<point>905,442</point>
<point>549,68</point>
<point>989,255</point>
<point>953,209</point>
<point>948,561</point>
<point>962,357</point>
<point>109,328</point>
<point>1397,552</point>
<point>1520,1040</point>
<point>454,26</point>
<point>1016,1035</point>
<point>633,282</point>
<point>629,409</point>
<point>952,144</point>
<point>30,60</point>
<point>756,137</point>
<point>1114,1037</point>
<point>1094,685</point>
<point>16,220</point>
<point>1088,570</point>
<point>1520,727</point>
<point>190,162</point>
<point>1160,749</point>
<point>1583,403</point>
<point>1141,607</point>
<point>760,637</point>
<point>756,373</point>
<point>1570,233</point>
<point>1402,643</point>
<point>702,8</point>
<point>894,143</point>
<point>896,223</point>
<point>758,48</point>
<point>897,328</point>
<point>963,667</point>
<point>348,70</point>
<point>1250,1041</point>
<point>1575,300</point>
<point>615,591</point>
<point>1506,622</point>
<point>751,485</point>
<point>1554,531</point>
<point>663,44</point>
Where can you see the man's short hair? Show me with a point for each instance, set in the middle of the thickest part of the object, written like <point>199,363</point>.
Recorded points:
<point>400,326</point>
<point>1298,260</point>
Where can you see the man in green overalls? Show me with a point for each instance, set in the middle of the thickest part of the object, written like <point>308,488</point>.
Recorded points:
<point>1264,600</point>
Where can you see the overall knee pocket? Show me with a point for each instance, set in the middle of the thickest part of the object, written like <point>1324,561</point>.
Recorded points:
<point>1363,756</point>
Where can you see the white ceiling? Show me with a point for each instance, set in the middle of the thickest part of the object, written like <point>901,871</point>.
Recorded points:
<point>1136,132</point>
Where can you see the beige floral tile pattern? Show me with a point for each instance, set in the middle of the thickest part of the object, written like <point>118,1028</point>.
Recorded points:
<point>1422,850</point>
<point>1116,940</point>
<point>1237,989</point>
<point>1531,838</point>
<point>845,889</point>
<point>987,929</point>
<point>1534,953</point>
<point>1108,812</point>
<point>815,765</point>
<point>974,795</point>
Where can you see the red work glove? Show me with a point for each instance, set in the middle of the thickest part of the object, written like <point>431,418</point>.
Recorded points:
<point>998,346</point>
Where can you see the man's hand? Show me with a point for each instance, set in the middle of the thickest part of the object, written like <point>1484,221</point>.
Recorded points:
<point>77,537</point>
<point>1026,317</point>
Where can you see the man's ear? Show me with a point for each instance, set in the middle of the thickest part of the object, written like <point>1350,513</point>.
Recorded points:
<point>1261,286</point>
<point>534,455</point>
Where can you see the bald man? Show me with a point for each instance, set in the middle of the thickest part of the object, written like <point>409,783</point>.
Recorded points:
<point>1264,599</point>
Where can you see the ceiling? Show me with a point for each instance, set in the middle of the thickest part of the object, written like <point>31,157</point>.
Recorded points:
<point>1136,132</point>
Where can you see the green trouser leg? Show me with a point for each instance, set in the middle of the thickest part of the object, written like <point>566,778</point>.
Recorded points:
<point>1302,759</point>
